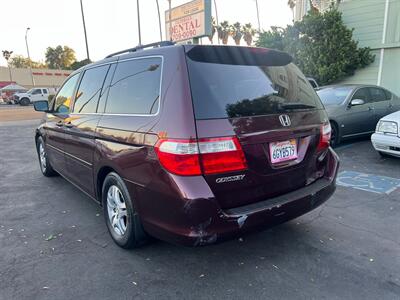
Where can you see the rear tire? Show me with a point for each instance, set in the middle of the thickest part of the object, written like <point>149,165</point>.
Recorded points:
<point>45,166</point>
<point>24,102</point>
<point>121,217</point>
<point>335,138</point>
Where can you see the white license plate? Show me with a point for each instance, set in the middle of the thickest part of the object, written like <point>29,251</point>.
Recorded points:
<point>283,151</point>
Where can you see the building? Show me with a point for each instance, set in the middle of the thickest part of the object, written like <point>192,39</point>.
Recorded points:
<point>303,6</point>
<point>376,25</point>
<point>42,77</point>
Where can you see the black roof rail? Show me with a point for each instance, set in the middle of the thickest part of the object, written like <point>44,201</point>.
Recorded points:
<point>141,47</point>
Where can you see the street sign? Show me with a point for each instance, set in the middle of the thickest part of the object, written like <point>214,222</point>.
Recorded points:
<point>189,20</point>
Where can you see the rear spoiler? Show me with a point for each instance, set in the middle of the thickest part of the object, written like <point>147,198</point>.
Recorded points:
<point>236,55</point>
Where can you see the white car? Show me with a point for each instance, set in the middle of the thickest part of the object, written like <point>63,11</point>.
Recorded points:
<point>386,139</point>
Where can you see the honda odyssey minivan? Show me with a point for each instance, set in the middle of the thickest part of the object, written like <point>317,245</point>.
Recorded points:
<point>190,144</point>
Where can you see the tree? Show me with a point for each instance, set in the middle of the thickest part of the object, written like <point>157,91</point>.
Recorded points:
<point>292,5</point>
<point>224,31</point>
<point>248,33</point>
<point>236,32</point>
<point>79,64</point>
<point>60,57</point>
<point>19,61</point>
<point>321,45</point>
<point>213,29</point>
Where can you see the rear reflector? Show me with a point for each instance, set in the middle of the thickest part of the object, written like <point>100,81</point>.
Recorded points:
<point>325,136</point>
<point>207,156</point>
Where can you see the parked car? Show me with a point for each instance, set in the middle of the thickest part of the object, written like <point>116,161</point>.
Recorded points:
<point>386,139</point>
<point>190,144</point>
<point>33,95</point>
<point>354,110</point>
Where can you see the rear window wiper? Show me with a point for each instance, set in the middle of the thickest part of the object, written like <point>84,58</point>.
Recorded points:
<point>297,106</point>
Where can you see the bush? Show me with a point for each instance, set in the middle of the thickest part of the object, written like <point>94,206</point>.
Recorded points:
<point>50,98</point>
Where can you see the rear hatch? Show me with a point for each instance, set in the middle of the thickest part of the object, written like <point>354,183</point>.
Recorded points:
<point>260,97</point>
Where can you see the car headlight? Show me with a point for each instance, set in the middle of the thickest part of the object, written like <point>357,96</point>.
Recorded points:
<point>387,127</point>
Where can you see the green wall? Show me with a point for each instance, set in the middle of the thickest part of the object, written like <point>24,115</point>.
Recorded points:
<point>367,19</point>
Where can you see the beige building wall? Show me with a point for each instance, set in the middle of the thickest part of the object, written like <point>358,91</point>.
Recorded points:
<point>42,77</point>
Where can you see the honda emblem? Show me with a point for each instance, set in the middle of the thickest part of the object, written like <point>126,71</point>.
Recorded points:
<point>285,120</point>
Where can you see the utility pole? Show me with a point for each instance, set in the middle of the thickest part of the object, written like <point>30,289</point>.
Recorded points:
<point>138,20</point>
<point>258,17</point>
<point>84,30</point>
<point>29,57</point>
<point>7,55</point>
<point>170,20</point>
<point>159,20</point>
<point>216,18</point>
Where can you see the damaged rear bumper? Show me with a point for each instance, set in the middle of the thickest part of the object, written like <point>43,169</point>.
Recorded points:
<point>200,221</point>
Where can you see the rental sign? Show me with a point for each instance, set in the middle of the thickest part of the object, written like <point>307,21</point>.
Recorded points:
<point>188,21</point>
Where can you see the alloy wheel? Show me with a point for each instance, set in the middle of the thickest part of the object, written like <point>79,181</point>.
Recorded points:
<point>116,208</point>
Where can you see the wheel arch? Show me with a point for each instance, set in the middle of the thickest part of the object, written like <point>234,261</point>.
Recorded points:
<point>101,176</point>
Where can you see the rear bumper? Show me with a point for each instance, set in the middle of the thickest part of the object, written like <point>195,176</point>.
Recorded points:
<point>200,221</point>
<point>389,144</point>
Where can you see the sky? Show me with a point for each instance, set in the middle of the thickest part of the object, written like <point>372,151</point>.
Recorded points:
<point>111,25</point>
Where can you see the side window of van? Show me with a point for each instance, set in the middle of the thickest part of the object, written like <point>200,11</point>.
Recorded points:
<point>88,93</point>
<point>64,95</point>
<point>135,88</point>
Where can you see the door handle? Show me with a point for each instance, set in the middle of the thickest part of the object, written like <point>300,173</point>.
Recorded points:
<point>60,123</point>
<point>370,108</point>
<point>390,105</point>
<point>69,125</point>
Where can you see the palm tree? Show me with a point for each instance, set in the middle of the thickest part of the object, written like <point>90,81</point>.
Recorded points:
<point>223,32</point>
<point>292,5</point>
<point>249,32</point>
<point>236,32</point>
<point>213,29</point>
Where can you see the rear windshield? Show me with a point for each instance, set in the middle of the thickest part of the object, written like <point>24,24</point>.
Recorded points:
<point>221,90</point>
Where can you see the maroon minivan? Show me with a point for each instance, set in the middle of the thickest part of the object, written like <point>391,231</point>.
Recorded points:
<point>190,144</point>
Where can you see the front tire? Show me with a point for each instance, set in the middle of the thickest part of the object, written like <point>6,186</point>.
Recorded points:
<point>24,102</point>
<point>45,166</point>
<point>121,217</point>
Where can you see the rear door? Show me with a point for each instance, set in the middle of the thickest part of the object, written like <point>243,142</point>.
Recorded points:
<point>37,94</point>
<point>383,104</point>
<point>80,128</point>
<point>55,129</point>
<point>265,101</point>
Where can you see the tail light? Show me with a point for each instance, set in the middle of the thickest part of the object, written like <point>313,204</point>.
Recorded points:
<point>207,156</point>
<point>325,136</point>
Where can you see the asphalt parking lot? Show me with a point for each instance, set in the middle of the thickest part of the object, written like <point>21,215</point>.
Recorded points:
<point>54,243</point>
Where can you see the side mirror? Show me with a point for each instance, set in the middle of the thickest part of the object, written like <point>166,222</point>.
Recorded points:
<point>356,102</point>
<point>42,105</point>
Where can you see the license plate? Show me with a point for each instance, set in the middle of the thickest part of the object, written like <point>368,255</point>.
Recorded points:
<point>283,151</point>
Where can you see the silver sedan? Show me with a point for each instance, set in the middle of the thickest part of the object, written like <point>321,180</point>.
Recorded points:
<point>354,110</point>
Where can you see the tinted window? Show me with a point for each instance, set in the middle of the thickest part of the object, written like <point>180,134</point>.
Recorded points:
<point>388,95</point>
<point>64,96</point>
<point>377,94</point>
<point>334,95</point>
<point>89,89</point>
<point>313,83</point>
<point>135,88</point>
<point>36,92</point>
<point>105,89</point>
<point>361,94</point>
<point>229,90</point>
<point>44,91</point>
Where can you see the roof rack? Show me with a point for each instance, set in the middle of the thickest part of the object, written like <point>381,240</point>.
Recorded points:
<point>141,47</point>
